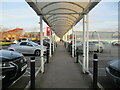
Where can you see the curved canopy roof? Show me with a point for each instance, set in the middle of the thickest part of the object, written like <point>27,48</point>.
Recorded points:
<point>61,16</point>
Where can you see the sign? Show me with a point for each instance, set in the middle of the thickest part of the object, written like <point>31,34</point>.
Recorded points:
<point>48,30</point>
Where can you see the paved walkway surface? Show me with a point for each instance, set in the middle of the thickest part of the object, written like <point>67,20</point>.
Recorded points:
<point>62,72</point>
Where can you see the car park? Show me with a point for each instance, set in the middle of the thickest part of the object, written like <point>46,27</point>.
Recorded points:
<point>13,66</point>
<point>27,47</point>
<point>45,43</point>
<point>116,43</point>
<point>15,41</point>
<point>113,72</point>
<point>23,39</point>
<point>93,46</point>
<point>6,42</point>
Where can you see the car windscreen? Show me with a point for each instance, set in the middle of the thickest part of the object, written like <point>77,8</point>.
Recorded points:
<point>35,44</point>
<point>93,42</point>
<point>78,41</point>
<point>23,39</point>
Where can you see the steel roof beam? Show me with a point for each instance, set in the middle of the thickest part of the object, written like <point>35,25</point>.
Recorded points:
<point>61,15</point>
<point>62,2</point>
<point>62,18</point>
<point>61,9</point>
<point>65,20</point>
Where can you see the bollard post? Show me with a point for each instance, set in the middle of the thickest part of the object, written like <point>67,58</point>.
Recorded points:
<point>47,54</point>
<point>32,65</point>
<point>56,44</point>
<point>95,70</point>
<point>52,49</point>
<point>77,54</point>
<point>70,49</point>
<point>74,52</point>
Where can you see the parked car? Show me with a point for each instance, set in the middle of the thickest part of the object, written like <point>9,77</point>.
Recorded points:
<point>113,71</point>
<point>93,46</point>
<point>13,66</point>
<point>45,43</point>
<point>6,42</point>
<point>23,39</point>
<point>15,41</point>
<point>27,47</point>
<point>114,43</point>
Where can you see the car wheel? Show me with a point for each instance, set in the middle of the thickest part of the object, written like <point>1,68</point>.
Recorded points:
<point>101,50</point>
<point>37,52</point>
<point>11,50</point>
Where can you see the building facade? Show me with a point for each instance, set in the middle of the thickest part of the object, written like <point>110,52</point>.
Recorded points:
<point>102,35</point>
<point>14,34</point>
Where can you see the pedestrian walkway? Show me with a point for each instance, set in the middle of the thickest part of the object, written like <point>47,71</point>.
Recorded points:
<point>63,72</point>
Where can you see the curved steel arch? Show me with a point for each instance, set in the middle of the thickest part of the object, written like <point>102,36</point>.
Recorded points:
<point>96,33</point>
<point>61,9</point>
<point>55,18</point>
<point>62,20</point>
<point>62,2</point>
<point>61,15</point>
<point>115,33</point>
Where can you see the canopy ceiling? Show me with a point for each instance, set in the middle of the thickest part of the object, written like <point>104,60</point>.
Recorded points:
<point>61,16</point>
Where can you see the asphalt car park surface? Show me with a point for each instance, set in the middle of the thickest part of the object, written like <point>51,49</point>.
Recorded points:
<point>110,53</point>
<point>25,78</point>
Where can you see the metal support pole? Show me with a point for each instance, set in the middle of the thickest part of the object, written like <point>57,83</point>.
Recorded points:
<point>69,44</point>
<point>66,40</point>
<point>77,55</point>
<point>84,44</point>
<point>50,43</point>
<point>47,54</point>
<point>53,44</point>
<point>63,38</point>
<point>87,46</point>
<point>32,66</point>
<point>41,43</point>
<point>98,40</point>
<point>73,43</point>
<point>95,70</point>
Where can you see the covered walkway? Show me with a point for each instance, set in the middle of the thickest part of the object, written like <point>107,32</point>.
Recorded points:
<point>62,72</point>
<point>61,17</point>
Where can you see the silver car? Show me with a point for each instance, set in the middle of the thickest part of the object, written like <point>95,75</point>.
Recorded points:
<point>93,46</point>
<point>27,47</point>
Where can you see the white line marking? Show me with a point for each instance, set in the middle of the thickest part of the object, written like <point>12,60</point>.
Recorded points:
<point>28,85</point>
<point>91,75</point>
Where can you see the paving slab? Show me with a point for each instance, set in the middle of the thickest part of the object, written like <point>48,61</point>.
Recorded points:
<point>62,72</point>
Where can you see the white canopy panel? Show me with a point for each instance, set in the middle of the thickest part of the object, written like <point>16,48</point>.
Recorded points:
<point>61,16</point>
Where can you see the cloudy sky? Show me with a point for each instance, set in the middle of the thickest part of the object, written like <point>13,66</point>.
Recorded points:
<point>18,14</point>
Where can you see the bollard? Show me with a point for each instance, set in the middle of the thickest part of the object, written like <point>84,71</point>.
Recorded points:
<point>74,52</point>
<point>47,55</point>
<point>56,44</point>
<point>52,49</point>
<point>95,70</point>
<point>32,64</point>
<point>77,54</point>
<point>70,49</point>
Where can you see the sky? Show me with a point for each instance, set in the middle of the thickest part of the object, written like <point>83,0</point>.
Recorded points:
<point>104,17</point>
<point>20,15</point>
